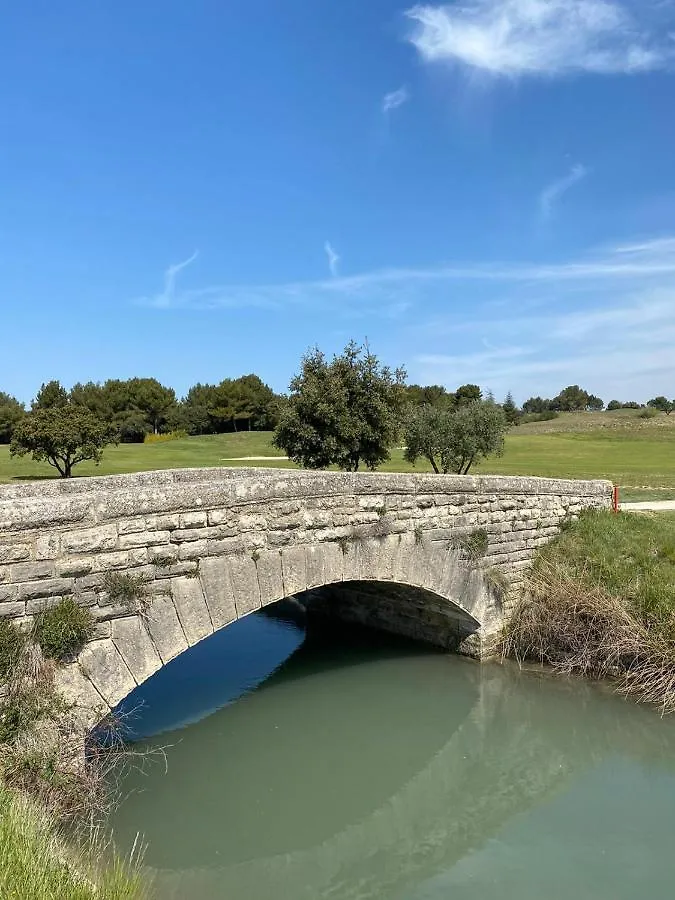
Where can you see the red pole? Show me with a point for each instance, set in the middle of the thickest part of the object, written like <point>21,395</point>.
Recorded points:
<point>615,503</point>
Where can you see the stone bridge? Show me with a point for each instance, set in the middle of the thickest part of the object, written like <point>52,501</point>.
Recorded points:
<point>164,559</point>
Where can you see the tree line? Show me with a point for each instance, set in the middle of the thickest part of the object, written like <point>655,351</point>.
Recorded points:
<point>140,406</point>
<point>346,412</point>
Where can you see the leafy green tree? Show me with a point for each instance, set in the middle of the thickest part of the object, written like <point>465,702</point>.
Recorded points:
<point>344,412</point>
<point>468,393</point>
<point>574,399</point>
<point>11,412</point>
<point>510,409</point>
<point>454,440</point>
<point>153,400</point>
<point>594,404</point>
<point>536,405</point>
<point>93,397</point>
<point>432,395</point>
<point>63,436</point>
<point>50,395</point>
<point>663,404</point>
<point>614,405</point>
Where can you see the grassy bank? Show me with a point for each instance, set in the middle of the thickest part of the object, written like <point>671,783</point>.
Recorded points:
<point>635,453</point>
<point>601,603</point>
<point>35,863</point>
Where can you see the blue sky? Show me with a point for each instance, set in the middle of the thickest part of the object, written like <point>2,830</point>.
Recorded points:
<point>485,190</point>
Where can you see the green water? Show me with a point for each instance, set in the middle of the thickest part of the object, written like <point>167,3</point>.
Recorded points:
<point>371,768</point>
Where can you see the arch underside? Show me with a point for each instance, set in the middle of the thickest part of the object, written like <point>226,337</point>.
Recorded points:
<point>228,589</point>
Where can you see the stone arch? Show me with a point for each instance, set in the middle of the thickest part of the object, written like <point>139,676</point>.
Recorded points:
<point>450,605</point>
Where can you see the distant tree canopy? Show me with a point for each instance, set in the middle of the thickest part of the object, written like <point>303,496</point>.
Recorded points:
<point>11,412</point>
<point>571,399</point>
<point>662,404</point>
<point>139,406</point>
<point>454,440</point>
<point>345,412</point>
<point>62,435</point>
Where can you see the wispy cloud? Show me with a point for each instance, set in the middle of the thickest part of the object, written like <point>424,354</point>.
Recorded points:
<point>554,191</point>
<point>606,320</point>
<point>333,259</point>
<point>515,38</point>
<point>393,100</point>
<point>413,286</point>
<point>168,296</point>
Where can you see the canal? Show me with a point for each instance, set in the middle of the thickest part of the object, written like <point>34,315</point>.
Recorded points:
<point>335,762</point>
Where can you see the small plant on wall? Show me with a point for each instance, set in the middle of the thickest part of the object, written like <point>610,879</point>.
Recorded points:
<point>62,630</point>
<point>127,590</point>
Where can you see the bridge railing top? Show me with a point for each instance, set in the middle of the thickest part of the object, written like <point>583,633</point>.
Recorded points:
<point>89,501</point>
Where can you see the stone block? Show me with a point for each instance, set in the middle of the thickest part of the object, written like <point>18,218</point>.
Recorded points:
<point>214,575</point>
<point>191,607</point>
<point>10,553</point>
<point>294,568</point>
<point>77,690</point>
<point>270,577</point>
<point>131,638</point>
<point>193,519</point>
<point>165,628</point>
<point>131,526</point>
<point>193,550</point>
<point>88,540</point>
<point>7,592</point>
<point>103,665</point>
<point>50,587</point>
<point>31,571</point>
<point>143,539</point>
<point>9,610</point>
<point>245,587</point>
<point>47,546</point>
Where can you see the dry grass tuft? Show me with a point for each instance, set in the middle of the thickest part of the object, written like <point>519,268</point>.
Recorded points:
<point>584,615</point>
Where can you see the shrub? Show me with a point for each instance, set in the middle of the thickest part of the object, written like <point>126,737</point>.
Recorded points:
<point>62,630</point>
<point>177,435</point>
<point>546,416</point>
<point>12,641</point>
<point>648,413</point>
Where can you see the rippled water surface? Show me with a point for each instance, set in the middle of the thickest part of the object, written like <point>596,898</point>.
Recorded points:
<point>367,767</point>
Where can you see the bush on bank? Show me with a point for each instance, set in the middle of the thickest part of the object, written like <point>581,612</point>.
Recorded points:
<point>45,783</point>
<point>601,603</point>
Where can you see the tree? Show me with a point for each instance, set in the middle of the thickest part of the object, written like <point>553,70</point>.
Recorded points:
<point>536,405</point>
<point>151,398</point>
<point>510,409</point>
<point>453,440</point>
<point>11,411</point>
<point>574,399</point>
<point>467,393</point>
<point>662,404</point>
<point>432,394</point>
<point>63,436</point>
<point>614,405</point>
<point>50,395</point>
<point>344,412</point>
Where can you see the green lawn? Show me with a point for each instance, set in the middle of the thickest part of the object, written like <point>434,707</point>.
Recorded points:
<point>638,456</point>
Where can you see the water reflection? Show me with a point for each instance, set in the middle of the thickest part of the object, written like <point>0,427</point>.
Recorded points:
<point>372,768</point>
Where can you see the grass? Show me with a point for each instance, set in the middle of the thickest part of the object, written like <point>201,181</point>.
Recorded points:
<point>35,864</point>
<point>638,454</point>
<point>601,602</point>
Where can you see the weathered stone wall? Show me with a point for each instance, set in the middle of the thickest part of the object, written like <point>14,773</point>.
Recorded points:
<point>215,544</point>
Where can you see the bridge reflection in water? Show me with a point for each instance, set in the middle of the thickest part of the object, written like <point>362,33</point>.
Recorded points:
<point>322,784</point>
